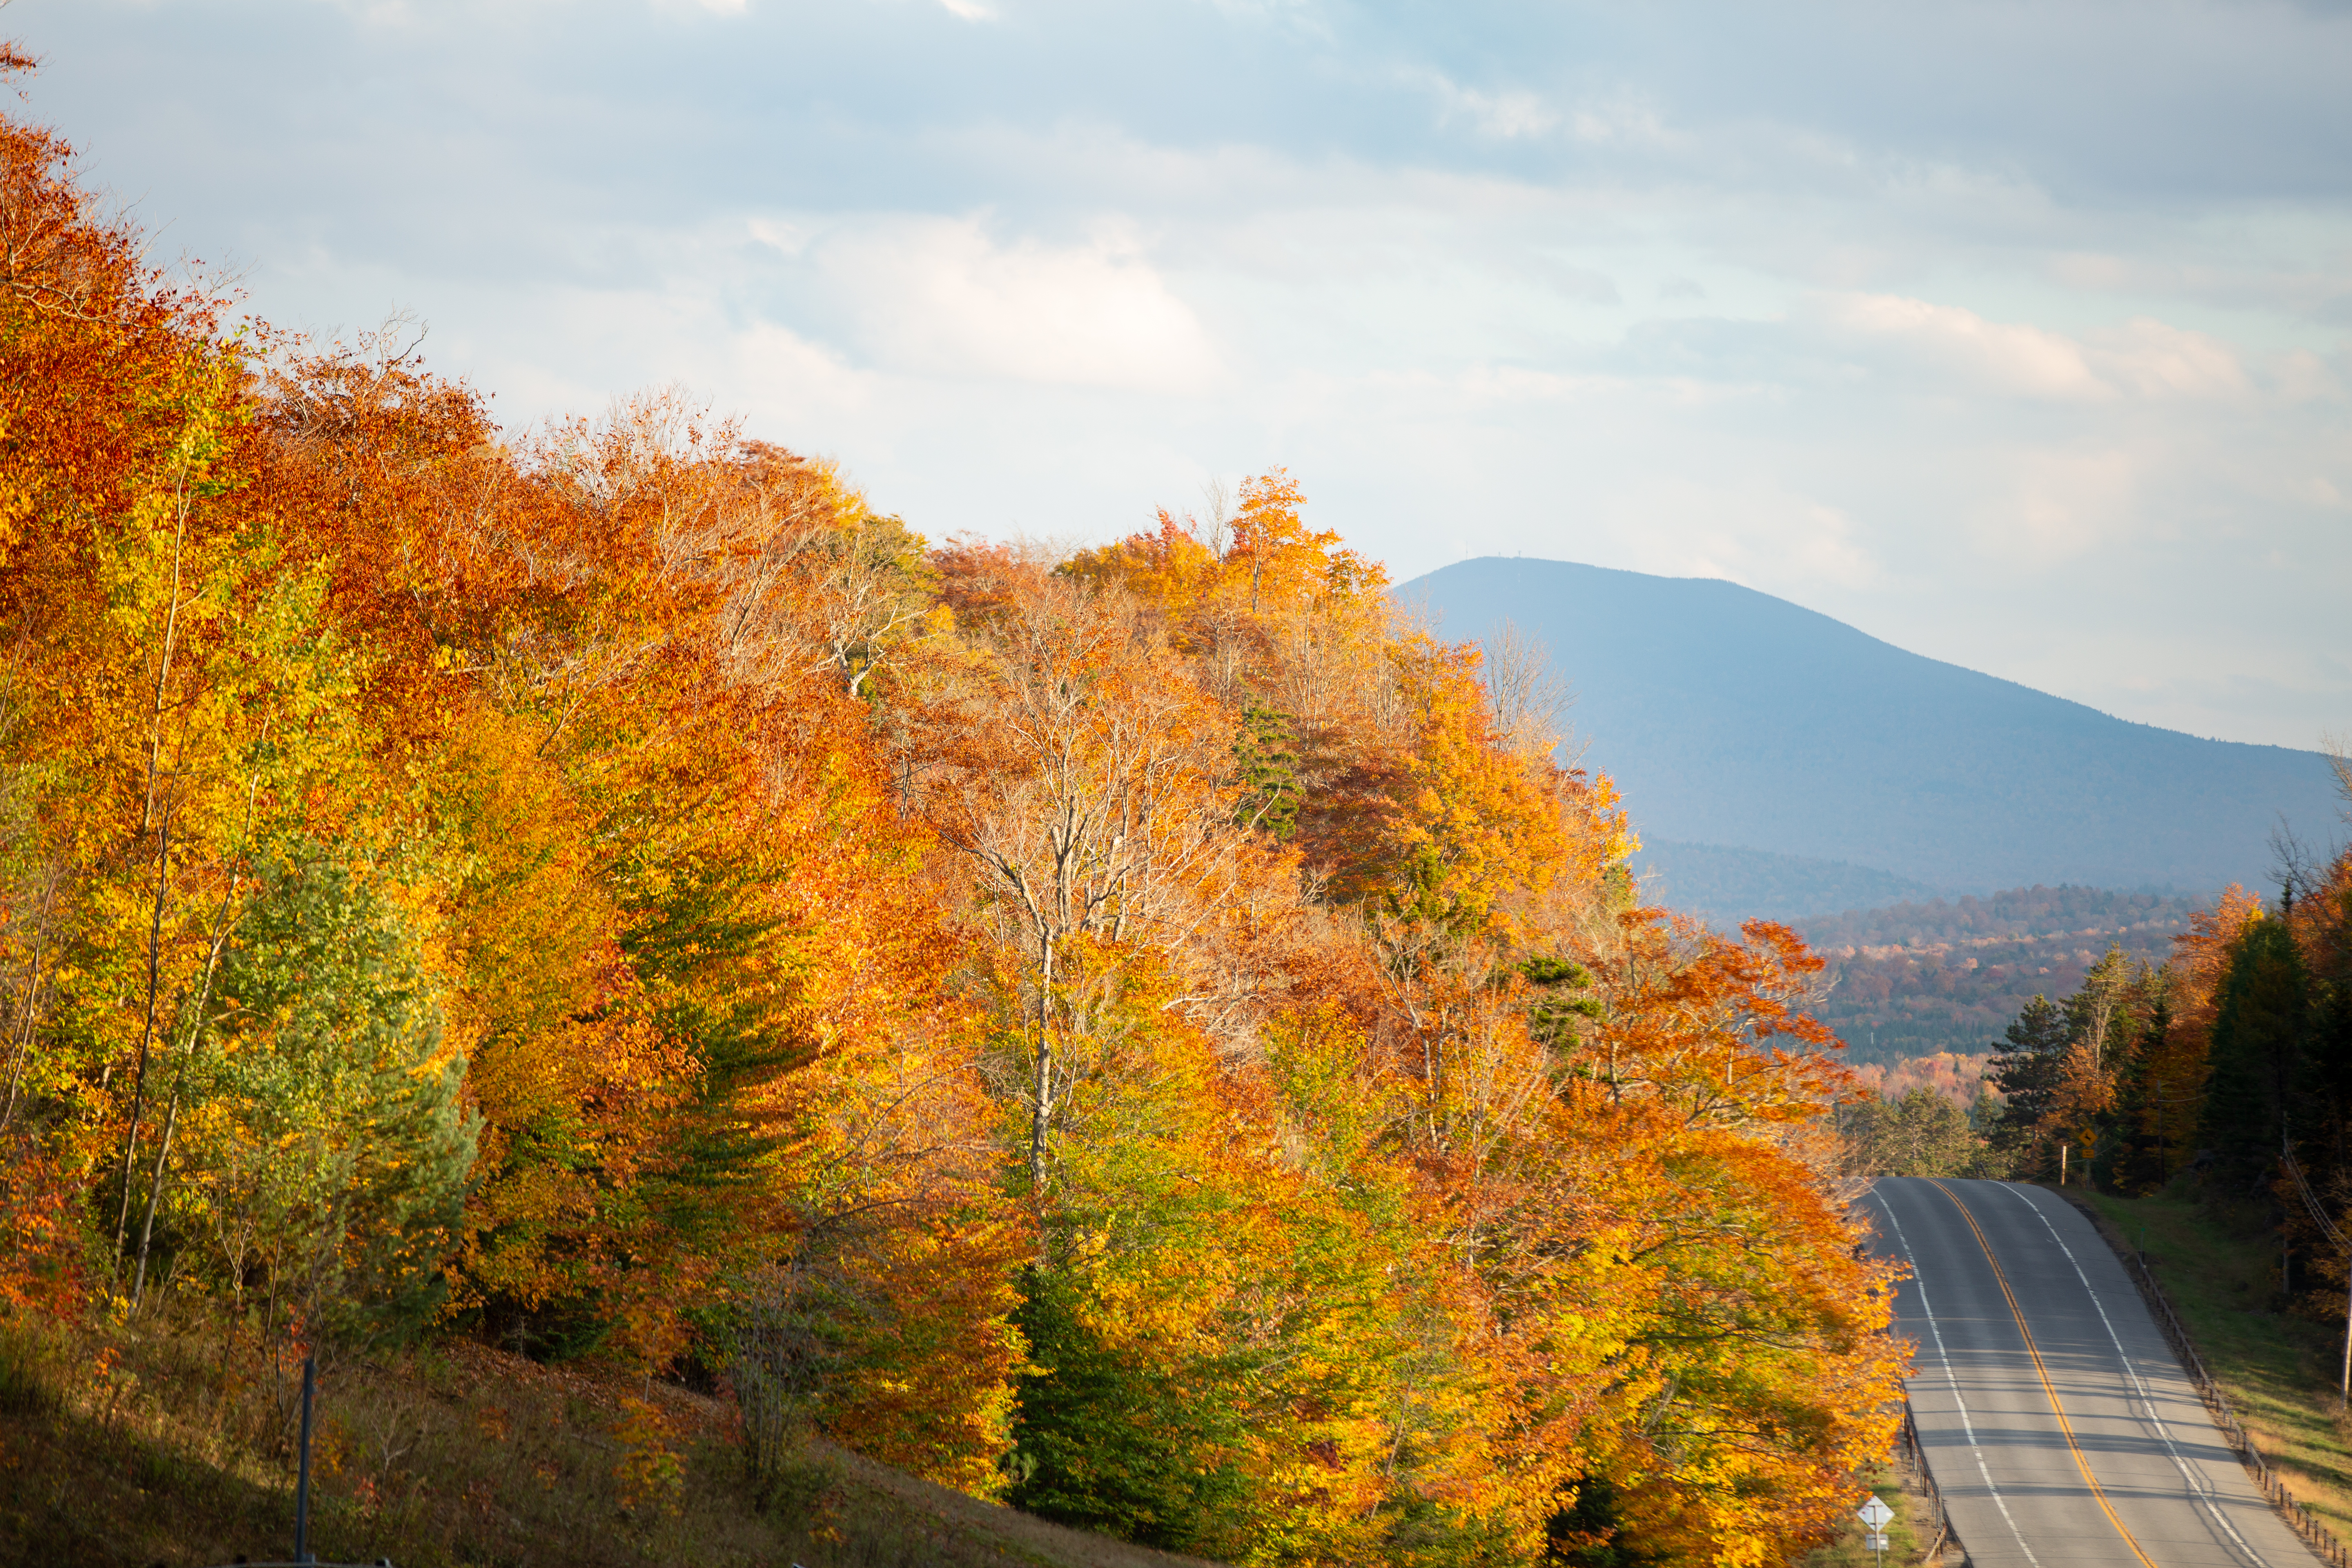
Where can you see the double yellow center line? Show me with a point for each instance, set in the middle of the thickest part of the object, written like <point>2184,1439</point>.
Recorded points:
<point>2064,1426</point>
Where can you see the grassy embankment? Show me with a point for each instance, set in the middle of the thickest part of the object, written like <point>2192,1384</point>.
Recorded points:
<point>173,1446</point>
<point>2220,1267</point>
<point>1906,1533</point>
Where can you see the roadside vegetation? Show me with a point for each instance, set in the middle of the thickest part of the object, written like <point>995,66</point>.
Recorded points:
<point>1920,1134</point>
<point>2279,1361</point>
<point>1908,1534</point>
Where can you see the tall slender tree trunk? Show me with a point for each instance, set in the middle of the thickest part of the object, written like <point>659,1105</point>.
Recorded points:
<point>147,1033</point>
<point>155,1187</point>
<point>147,819</point>
<point>21,1034</point>
<point>163,662</point>
<point>221,923</point>
<point>1041,1115</point>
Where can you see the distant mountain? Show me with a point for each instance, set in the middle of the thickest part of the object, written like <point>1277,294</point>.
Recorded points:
<point>1735,721</point>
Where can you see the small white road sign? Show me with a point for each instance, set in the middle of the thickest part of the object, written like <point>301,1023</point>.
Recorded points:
<point>1873,1542</point>
<point>1875,1513</point>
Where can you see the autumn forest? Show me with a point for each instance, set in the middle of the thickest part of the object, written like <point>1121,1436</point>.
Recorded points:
<point>1148,1036</point>
<point>1145,1034</point>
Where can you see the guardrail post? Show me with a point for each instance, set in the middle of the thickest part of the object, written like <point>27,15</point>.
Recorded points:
<point>302,1482</point>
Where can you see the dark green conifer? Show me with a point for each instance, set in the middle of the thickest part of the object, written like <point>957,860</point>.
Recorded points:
<point>2026,1073</point>
<point>2136,1163</point>
<point>1557,1005</point>
<point>2255,1060</point>
<point>1265,758</point>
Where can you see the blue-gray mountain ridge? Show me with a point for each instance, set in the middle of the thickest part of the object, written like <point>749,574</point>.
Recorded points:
<point>1780,763</point>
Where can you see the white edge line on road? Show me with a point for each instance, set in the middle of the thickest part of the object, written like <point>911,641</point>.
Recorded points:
<point>2198,1487</point>
<point>1950,1377</point>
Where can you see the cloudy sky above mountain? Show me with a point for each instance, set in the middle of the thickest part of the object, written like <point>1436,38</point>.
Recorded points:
<point>2019,335</point>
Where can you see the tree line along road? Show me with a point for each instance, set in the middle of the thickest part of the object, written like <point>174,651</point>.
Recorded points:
<point>2060,1425</point>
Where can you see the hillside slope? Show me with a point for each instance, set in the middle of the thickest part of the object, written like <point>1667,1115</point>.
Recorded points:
<point>166,1443</point>
<point>1737,719</point>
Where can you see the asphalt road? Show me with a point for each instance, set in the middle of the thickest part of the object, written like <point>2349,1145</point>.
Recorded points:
<point>2058,1422</point>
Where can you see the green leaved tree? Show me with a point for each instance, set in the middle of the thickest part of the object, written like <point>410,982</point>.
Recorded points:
<point>334,1147</point>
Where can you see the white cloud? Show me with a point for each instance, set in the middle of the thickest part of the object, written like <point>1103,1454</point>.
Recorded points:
<point>1949,341</point>
<point>2143,358</point>
<point>1505,113</point>
<point>1627,120</point>
<point>2302,377</point>
<point>2154,360</point>
<point>786,239</point>
<point>789,380</point>
<point>940,296</point>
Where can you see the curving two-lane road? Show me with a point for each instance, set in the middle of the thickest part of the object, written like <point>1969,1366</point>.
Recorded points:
<point>2058,1422</point>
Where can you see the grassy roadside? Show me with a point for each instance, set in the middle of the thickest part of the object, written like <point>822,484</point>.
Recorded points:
<point>1906,1533</point>
<point>171,1445</point>
<point>2278,1369</point>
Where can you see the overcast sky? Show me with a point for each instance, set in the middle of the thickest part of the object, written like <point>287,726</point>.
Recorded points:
<point>2018,335</point>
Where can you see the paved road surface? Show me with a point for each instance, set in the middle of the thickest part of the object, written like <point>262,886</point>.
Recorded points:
<point>2083,1444</point>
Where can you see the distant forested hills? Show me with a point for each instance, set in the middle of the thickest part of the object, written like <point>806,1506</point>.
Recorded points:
<point>1728,885</point>
<point>1949,976</point>
<point>1736,721</point>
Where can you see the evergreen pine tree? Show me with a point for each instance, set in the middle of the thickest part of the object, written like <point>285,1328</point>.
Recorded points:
<point>2256,1052</point>
<point>2137,1163</point>
<point>1103,1443</point>
<point>2026,1073</point>
<point>2323,1125</point>
<point>1265,758</point>
<point>1563,994</point>
<point>2328,1041</point>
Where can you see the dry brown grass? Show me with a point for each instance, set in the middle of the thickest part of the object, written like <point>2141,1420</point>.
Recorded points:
<point>172,1443</point>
